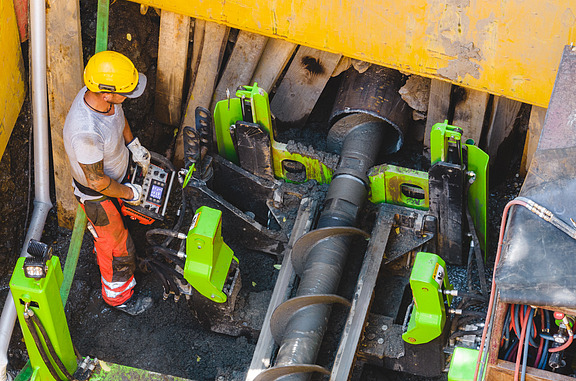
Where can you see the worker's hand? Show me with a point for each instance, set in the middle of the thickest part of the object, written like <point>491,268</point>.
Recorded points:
<point>136,194</point>
<point>140,155</point>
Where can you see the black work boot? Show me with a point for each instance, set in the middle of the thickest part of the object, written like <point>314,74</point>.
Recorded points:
<point>135,305</point>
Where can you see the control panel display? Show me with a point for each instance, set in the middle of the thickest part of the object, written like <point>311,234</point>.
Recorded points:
<point>156,187</point>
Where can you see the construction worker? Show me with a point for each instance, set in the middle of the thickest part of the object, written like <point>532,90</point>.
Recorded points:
<point>98,141</point>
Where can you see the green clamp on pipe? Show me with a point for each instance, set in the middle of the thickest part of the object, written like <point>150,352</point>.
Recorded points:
<point>208,258</point>
<point>41,297</point>
<point>251,104</point>
<point>427,281</point>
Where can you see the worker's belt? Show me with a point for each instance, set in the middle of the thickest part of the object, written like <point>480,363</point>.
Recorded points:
<point>87,191</point>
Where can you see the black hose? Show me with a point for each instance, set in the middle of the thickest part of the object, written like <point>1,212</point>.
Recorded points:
<point>162,278</point>
<point>472,295</point>
<point>167,232</point>
<point>464,333</point>
<point>473,313</point>
<point>50,346</point>
<point>547,215</point>
<point>167,269</point>
<point>40,347</point>
<point>162,160</point>
<point>169,254</point>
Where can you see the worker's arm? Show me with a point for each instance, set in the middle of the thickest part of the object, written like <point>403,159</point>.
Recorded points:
<point>128,137</point>
<point>140,155</point>
<point>102,183</point>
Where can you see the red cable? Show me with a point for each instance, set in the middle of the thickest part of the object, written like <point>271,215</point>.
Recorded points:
<point>541,346</point>
<point>513,320</point>
<point>563,346</point>
<point>520,344</point>
<point>491,301</point>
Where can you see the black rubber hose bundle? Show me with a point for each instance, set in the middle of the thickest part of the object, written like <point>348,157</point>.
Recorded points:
<point>31,321</point>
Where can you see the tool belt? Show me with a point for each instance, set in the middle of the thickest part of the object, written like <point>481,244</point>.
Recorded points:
<point>87,191</point>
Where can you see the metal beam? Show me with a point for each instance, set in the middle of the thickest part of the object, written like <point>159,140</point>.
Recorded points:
<point>510,48</point>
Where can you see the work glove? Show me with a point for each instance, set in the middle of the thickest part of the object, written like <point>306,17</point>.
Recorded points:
<point>140,155</point>
<point>136,194</point>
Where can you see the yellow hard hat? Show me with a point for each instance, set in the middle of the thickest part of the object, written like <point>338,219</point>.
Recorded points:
<point>112,72</point>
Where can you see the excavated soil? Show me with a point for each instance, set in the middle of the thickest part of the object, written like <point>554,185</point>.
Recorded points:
<point>169,338</point>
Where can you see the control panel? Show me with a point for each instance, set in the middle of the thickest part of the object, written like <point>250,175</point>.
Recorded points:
<point>156,186</point>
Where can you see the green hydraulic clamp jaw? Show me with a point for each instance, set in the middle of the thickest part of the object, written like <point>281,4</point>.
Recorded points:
<point>40,296</point>
<point>208,258</point>
<point>428,316</point>
<point>445,145</point>
<point>252,105</point>
<point>399,186</point>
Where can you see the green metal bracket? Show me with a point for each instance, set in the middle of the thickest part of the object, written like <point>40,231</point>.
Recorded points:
<point>314,168</point>
<point>445,145</point>
<point>254,99</point>
<point>399,186</point>
<point>428,316</point>
<point>208,258</point>
<point>463,364</point>
<point>478,191</point>
<point>43,298</point>
<point>228,111</point>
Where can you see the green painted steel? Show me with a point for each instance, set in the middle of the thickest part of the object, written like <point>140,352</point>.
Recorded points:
<point>102,26</point>
<point>228,111</point>
<point>208,258</point>
<point>428,317</point>
<point>226,114</point>
<point>445,145</point>
<point>43,297</point>
<point>73,252</point>
<point>260,105</point>
<point>399,186</point>
<point>478,192</point>
<point>463,364</point>
<point>444,140</point>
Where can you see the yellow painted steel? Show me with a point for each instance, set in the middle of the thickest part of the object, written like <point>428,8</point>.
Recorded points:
<point>506,47</point>
<point>12,87</point>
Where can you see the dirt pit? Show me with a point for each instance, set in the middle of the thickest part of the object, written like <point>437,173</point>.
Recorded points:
<point>169,338</point>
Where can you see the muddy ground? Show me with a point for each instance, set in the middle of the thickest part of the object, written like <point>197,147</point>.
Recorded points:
<point>169,338</point>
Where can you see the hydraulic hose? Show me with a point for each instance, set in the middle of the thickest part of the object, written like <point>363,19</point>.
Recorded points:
<point>40,347</point>
<point>530,316</point>
<point>169,254</point>
<point>49,345</point>
<point>487,324</point>
<point>520,346</point>
<point>563,346</point>
<point>166,232</point>
<point>546,215</point>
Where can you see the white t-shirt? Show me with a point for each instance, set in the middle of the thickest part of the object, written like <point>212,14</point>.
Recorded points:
<point>90,137</point>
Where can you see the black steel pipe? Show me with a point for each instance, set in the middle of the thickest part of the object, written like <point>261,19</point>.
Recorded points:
<point>325,262</point>
<point>375,93</point>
